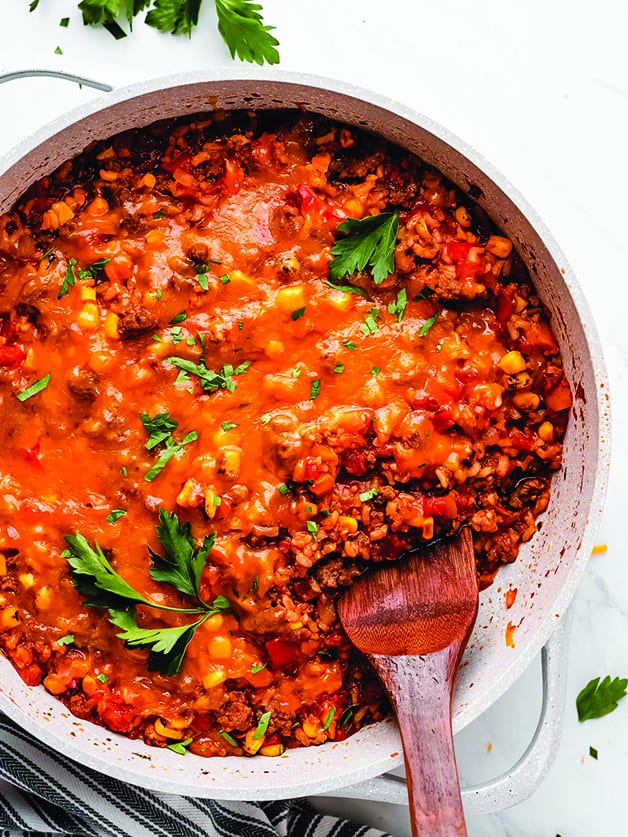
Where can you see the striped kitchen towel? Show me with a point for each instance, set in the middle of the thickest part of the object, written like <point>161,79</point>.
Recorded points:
<point>43,793</point>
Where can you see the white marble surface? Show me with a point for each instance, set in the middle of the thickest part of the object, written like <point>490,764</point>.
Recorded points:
<point>541,89</point>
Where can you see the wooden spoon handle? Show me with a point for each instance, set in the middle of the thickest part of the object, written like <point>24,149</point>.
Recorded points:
<point>420,692</point>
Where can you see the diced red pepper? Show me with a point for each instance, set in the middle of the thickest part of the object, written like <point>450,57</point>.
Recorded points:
<point>505,306</point>
<point>281,653</point>
<point>11,356</point>
<point>459,250</point>
<point>354,462</point>
<point>443,419</point>
<point>440,507</point>
<point>520,441</point>
<point>312,203</point>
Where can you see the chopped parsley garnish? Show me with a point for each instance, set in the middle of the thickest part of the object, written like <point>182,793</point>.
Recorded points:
<point>159,294</point>
<point>159,431</point>
<point>203,281</point>
<point>58,51</point>
<point>181,317</point>
<point>92,270</point>
<point>176,335</point>
<point>240,325</point>
<point>370,242</point>
<point>228,738</point>
<point>315,389</point>
<point>329,718</point>
<point>425,293</point>
<point>180,564</point>
<point>68,639</point>
<point>68,280</point>
<point>180,747</point>
<point>258,667</point>
<point>427,325</point>
<point>593,753</point>
<point>375,370</point>
<point>102,677</point>
<point>64,22</point>
<point>225,278</point>
<point>369,326</point>
<point>123,471</point>
<point>190,341</point>
<point>600,697</point>
<point>116,514</point>
<point>50,255</point>
<point>262,726</point>
<point>34,388</point>
<point>228,425</point>
<point>339,368</point>
<point>284,489</point>
<point>157,338</point>
<point>210,381</point>
<point>349,344</point>
<point>346,719</point>
<point>438,347</point>
<point>265,418</point>
<point>158,215</point>
<point>296,372</point>
<point>398,307</point>
<point>365,496</point>
<point>296,315</point>
<point>312,528</point>
<point>348,289</point>
<point>159,428</point>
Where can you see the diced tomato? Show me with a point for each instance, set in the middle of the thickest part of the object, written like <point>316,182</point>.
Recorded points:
<point>233,178</point>
<point>31,455</point>
<point>224,509</point>
<point>116,714</point>
<point>354,462</point>
<point>11,356</point>
<point>443,419</point>
<point>559,398</point>
<point>440,507</point>
<point>281,653</point>
<point>312,203</point>
<point>505,306</point>
<point>458,250</point>
<point>335,639</point>
<point>520,441</point>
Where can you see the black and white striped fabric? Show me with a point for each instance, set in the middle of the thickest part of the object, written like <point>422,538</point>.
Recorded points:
<point>42,793</point>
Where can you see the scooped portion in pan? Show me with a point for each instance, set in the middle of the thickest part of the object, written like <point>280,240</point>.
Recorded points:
<point>243,357</point>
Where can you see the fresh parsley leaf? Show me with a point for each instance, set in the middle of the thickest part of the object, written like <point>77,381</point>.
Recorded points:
<point>102,677</point>
<point>181,317</point>
<point>349,289</point>
<point>64,22</point>
<point>114,29</point>
<point>375,370</point>
<point>58,51</point>
<point>92,270</point>
<point>68,639</point>
<point>284,489</point>
<point>262,726</point>
<point>34,388</point>
<point>592,751</point>
<point>228,425</point>
<point>167,645</point>
<point>315,389</point>
<point>265,418</point>
<point>116,514</point>
<point>178,17</point>
<point>349,344</point>
<point>365,496</point>
<point>329,718</point>
<point>172,449</point>
<point>369,326</point>
<point>158,215</point>
<point>427,325</point>
<point>258,667</point>
<point>159,428</point>
<point>203,281</point>
<point>182,564</point>
<point>600,697</point>
<point>242,28</point>
<point>228,738</point>
<point>224,279</point>
<point>210,380</point>
<point>369,242</point>
<point>312,528</point>
<point>339,368</point>
<point>398,307</point>
<point>296,315</point>
<point>33,5</point>
<point>180,747</point>
<point>68,280</point>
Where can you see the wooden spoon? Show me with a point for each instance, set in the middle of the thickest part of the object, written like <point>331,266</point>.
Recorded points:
<point>412,620</point>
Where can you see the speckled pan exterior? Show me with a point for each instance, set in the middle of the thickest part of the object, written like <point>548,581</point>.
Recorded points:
<point>549,567</point>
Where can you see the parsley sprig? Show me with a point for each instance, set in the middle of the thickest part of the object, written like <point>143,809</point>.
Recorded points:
<point>370,242</point>
<point>159,431</point>
<point>600,697</point>
<point>180,565</point>
<point>240,22</point>
<point>210,381</point>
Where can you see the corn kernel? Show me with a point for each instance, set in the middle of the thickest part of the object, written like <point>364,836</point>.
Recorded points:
<point>427,529</point>
<point>10,617</point>
<point>189,495</point>
<point>220,648</point>
<point>88,294</point>
<point>89,316</point>
<point>274,348</point>
<point>354,208</point>
<point>295,626</point>
<point>101,361</point>
<point>291,299</point>
<point>26,580</point>
<point>463,217</point>
<point>154,238</point>
<point>230,462</point>
<point>272,750</point>
<point>526,401</point>
<point>214,623</point>
<point>98,206</point>
<point>252,744</point>
<point>499,246</point>
<point>64,213</point>
<point>54,684</point>
<point>166,732</point>
<point>3,564</point>
<point>349,523</point>
<point>43,599</point>
<point>150,299</point>
<point>520,303</point>
<point>311,728</point>
<point>111,325</point>
<point>210,503</point>
<point>214,678</point>
<point>340,300</point>
<point>108,175</point>
<point>29,361</point>
<point>242,281</point>
<point>512,363</point>
<point>599,549</point>
<point>546,431</point>
<point>149,180</point>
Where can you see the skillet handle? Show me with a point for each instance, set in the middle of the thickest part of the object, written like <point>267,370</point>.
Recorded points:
<point>518,783</point>
<point>13,75</point>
